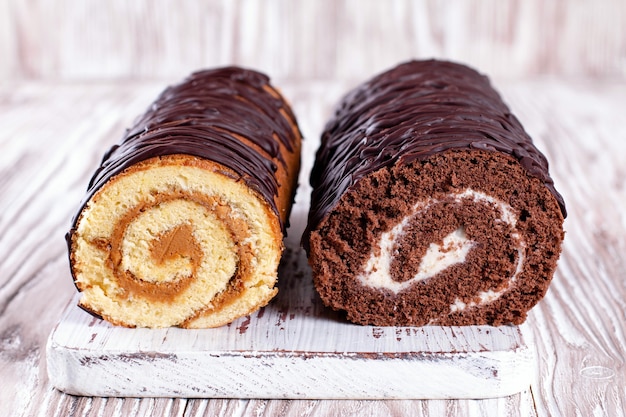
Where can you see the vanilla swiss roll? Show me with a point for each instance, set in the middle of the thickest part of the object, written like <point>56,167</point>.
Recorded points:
<point>431,204</point>
<point>183,222</point>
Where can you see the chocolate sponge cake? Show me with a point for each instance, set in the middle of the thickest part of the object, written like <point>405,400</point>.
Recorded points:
<point>430,204</point>
<point>183,222</point>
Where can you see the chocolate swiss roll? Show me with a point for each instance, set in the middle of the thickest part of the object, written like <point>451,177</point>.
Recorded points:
<point>430,204</point>
<point>183,222</point>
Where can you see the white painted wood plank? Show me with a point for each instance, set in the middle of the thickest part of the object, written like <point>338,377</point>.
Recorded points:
<point>116,364</point>
<point>581,324</point>
<point>330,39</point>
<point>8,45</point>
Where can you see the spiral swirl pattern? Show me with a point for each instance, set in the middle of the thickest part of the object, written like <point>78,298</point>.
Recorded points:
<point>183,221</point>
<point>175,247</point>
<point>430,203</point>
<point>462,238</point>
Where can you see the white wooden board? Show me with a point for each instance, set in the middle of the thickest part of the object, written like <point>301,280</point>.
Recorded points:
<point>293,348</point>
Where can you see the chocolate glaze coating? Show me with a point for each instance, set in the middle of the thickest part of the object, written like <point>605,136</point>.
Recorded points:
<point>206,115</point>
<point>411,112</point>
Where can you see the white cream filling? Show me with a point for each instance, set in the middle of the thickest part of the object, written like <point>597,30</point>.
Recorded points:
<point>453,250</point>
<point>486,297</point>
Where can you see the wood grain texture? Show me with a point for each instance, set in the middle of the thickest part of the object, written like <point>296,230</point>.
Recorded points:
<point>52,136</point>
<point>323,39</point>
<point>293,348</point>
<point>582,322</point>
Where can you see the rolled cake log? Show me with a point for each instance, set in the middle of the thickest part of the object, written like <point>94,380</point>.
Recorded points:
<point>183,222</point>
<point>430,204</point>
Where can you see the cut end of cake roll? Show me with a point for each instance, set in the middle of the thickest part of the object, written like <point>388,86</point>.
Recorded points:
<point>185,219</point>
<point>431,204</point>
<point>461,238</point>
<point>169,234</point>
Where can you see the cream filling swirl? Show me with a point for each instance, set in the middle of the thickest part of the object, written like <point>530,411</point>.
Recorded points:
<point>439,256</point>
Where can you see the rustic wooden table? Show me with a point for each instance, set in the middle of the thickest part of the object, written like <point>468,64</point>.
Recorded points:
<point>53,135</point>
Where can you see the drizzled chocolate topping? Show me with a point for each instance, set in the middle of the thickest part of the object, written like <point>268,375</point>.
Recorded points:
<point>207,115</point>
<point>409,113</point>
